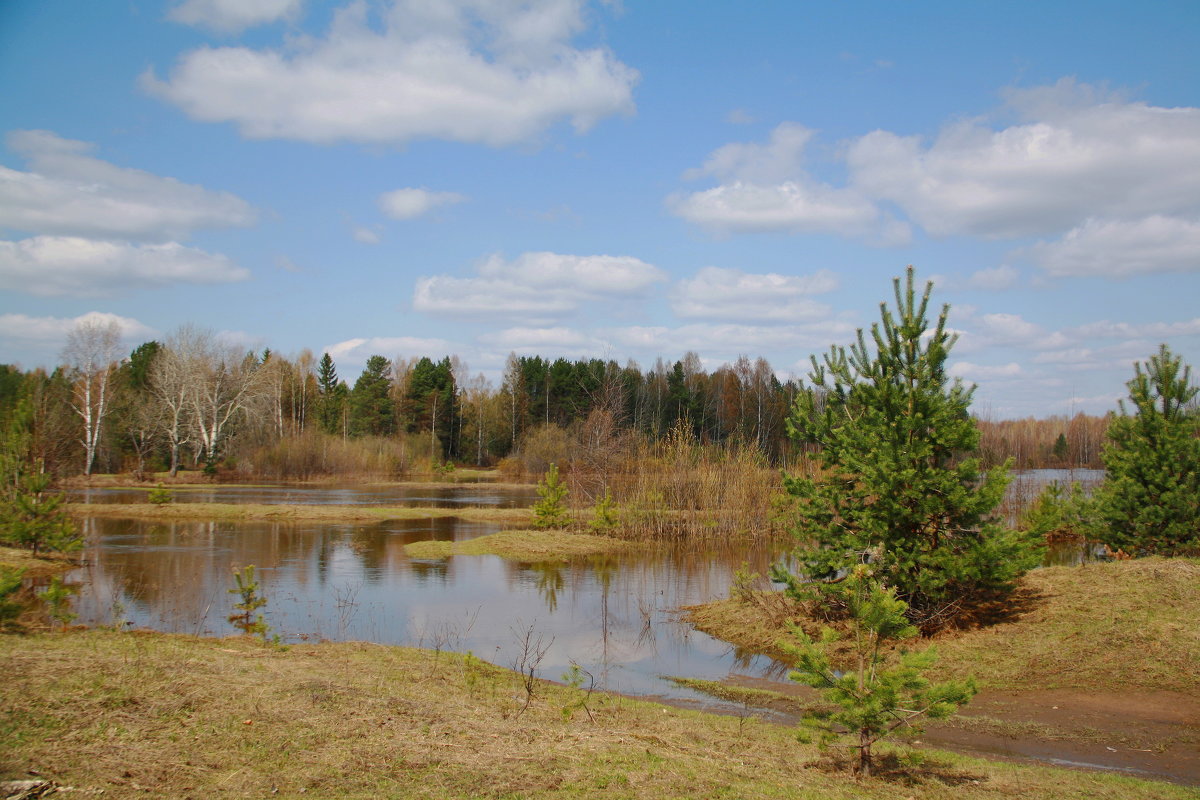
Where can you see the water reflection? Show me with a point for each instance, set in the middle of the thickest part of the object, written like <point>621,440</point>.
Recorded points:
<point>436,496</point>
<point>614,615</point>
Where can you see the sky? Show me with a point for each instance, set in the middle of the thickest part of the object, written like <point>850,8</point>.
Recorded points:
<point>627,180</point>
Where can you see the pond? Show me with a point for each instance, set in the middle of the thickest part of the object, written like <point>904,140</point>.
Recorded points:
<point>450,495</point>
<point>616,616</point>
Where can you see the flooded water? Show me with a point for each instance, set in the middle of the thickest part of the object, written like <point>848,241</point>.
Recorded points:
<point>616,616</point>
<point>438,496</point>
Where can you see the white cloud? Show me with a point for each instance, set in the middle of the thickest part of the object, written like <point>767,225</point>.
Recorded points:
<point>1077,154</point>
<point>535,285</point>
<point>764,187</point>
<point>727,341</point>
<point>364,235</point>
<point>972,372</point>
<point>53,330</point>
<point>69,192</point>
<point>68,265</point>
<point>730,294</point>
<point>233,16</point>
<point>357,351</point>
<point>556,340</point>
<point>463,70</point>
<point>409,203</point>
<point>994,278</point>
<point>739,116</point>
<point>1120,249</point>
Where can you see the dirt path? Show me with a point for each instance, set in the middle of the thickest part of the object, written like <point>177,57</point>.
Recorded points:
<point>1149,734</point>
<point>1145,734</point>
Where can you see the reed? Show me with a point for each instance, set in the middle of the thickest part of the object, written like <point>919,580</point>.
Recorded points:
<point>319,455</point>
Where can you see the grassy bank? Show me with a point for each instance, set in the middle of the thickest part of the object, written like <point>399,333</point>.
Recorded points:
<point>522,546</point>
<point>263,511</point>
<point>139,715</point>
<point>43,565</point>
<point>1125,624</point>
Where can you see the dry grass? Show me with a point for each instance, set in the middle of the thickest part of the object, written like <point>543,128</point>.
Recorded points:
<point>308,512</point>
<point>1125,624</point>
<point>528,545</point>
<point>152,715</point>
<point>43,565</point>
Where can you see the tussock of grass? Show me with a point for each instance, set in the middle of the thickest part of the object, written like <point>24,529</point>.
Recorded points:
<point>41,565</point>
<point>525,545</point>
<point>152,715</point>
<point>1125,624</point>
<point>252,511</point>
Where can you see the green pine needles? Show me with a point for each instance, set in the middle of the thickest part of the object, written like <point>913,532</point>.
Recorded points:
<point>896,479</point>
<point>1150,499</point>
<point>245,619</point>
<point>551,510</point>
<point>875,699</point>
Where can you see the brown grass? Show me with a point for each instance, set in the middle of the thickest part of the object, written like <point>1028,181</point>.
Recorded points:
<point>526,545</point>
<point>151,715</point>
<point>1125,624</point>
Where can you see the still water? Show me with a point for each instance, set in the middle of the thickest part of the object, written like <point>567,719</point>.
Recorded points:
<point>438,496</point>
<point>616,616</point>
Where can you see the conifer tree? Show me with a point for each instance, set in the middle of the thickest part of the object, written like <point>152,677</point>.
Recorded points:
<point>1150,499</point>
<point>897,480</point>
<point>551,510</point>
<point>330,410</point>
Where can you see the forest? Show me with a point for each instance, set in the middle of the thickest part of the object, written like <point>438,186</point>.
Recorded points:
<point>193,401</point>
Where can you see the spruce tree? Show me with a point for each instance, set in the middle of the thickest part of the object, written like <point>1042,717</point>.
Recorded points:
<point>897,481</point>
<point>372,411</point>
<point>1150,499</point>
<point>330,410</point>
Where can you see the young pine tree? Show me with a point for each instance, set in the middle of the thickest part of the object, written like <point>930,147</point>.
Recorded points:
<point>551,510</point>
<point>896,475</point>
<point>1150,499</point>
<point>874,698</point>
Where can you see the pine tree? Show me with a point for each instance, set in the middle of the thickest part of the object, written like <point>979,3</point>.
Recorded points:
<point>1150,499</point>
<point>330,410</point>
<point>875,698</point>
<point>371,409</point>
<point>551,510</point>
<point>897,480</point>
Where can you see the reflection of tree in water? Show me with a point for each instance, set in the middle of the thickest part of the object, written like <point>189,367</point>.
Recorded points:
<point>425,572</point>
<point>549,581</point>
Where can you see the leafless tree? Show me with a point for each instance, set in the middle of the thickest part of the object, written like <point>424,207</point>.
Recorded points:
<point>90,355</point>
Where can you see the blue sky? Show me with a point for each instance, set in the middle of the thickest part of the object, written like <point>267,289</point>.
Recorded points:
<point>623,180</point>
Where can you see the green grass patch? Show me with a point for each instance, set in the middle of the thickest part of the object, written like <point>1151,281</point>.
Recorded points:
<point>155,715</point>
<point>523,545</point>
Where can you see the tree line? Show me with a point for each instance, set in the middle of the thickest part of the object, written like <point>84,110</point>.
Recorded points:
<point>193,400</point>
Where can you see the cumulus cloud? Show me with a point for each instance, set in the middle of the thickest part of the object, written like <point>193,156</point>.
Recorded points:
<point>70,192</point>
<point>727,341</point>
<point>535,285</point>
<point>409,203</point>
<point>70,265</point>
<point>233,16</point>
<point>53,330</point>
<point>764,187</point>
<point>1077,154</point>
<point>731,294</point>
<point>364,235</point>
<point>994,278</point>
<point>1121,249</point>
<point>971,372</point>
<point>357,351</point>
<point>463,70</point>
<point>556,340</point>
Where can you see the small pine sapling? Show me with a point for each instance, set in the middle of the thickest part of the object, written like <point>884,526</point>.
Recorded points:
<point>551,510</point>
<point>160,495</point>
<point>10,583</point>
<point>246,620</point>
<point>57,598</point>
<point>876,699</point>
<point>605,517</point>
<point>573,678</point>
<point>36,519</point>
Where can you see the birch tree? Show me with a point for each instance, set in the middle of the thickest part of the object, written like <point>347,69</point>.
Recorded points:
<point>90,356</point>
